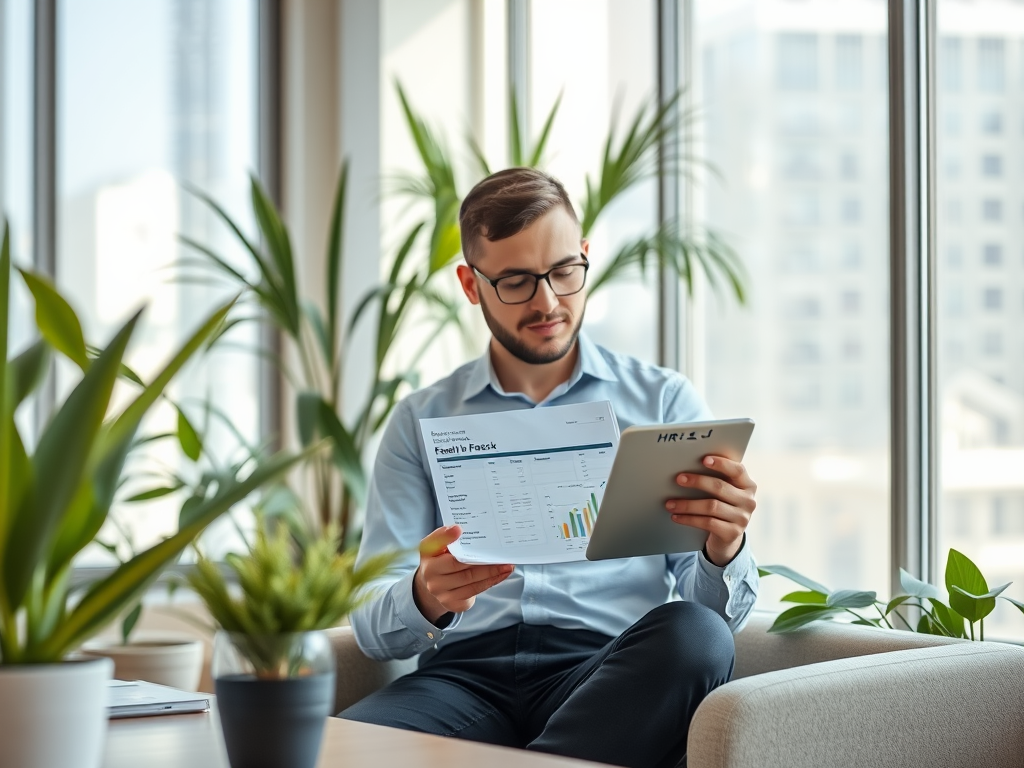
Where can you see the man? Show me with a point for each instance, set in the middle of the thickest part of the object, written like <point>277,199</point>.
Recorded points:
<point>584,659</point>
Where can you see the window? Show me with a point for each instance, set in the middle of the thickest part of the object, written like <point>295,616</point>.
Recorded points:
<point>849,62</point>
<point>850,211</point>
<point>991,65</point>
<point>849,302</point>
<point>992,123</point>
<point>154,95</point>
<point>950,64</point>
<point>620,37</point>
<point>992,343</point>
<point>797,62</point>
<point>951,167</point>
<point>992,299</point>
<point>801,165</point>
<point>991,166</point>
<point>827,90</point>
<point>992,254</point>
<point>954,256</point>
<point>802,307</point>
<point>849,166</point>
<point>992,210</point>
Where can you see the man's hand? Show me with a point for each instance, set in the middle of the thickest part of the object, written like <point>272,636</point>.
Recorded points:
<point>442,584</point>
<point>725,515</point>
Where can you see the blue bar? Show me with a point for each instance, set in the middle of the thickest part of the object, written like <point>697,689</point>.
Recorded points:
<point>456,459</point>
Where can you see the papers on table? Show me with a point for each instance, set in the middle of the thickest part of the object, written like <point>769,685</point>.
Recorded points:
<point>525,486</point>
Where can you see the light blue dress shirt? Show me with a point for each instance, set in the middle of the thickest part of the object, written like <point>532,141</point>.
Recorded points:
<point>604,596</point>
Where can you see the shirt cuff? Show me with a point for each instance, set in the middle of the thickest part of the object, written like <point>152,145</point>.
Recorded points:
<point>409,615</point>
<point>732,575</point>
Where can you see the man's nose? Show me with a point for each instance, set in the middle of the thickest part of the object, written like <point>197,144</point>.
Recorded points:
<point>544,299</point>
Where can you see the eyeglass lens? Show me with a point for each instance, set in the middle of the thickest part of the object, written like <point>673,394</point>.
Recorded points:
<point>564,281</point>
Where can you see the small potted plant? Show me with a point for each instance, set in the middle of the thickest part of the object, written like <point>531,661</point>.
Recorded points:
<point>273,667</point>
<point>55,495</point>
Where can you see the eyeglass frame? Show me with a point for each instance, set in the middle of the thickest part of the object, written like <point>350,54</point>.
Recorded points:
<point>537,277</point>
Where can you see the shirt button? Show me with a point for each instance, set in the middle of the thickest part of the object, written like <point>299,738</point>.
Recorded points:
<point>728,579</point>
<point>430,635</point>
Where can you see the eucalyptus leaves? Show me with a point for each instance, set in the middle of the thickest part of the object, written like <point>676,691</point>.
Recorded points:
<point>969,602</point>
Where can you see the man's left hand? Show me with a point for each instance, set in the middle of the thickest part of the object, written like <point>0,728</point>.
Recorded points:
<point>725,515</point>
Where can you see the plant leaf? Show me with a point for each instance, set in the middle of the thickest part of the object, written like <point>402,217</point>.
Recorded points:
<point>851,598</point>
<point>129,622</point>
<point>896,602</point>
<point>345,453</point>
<point>56,320</point>
<point>801,615</point>
<point>805,598</point>
<point>334,261</point>
<point>62,457</point>
<point>110,595</point>
<point>152,493</point>
<point>976,607</point>
<point>29,369</point>
<point>188,438</point>
<point>789,573</point>
<point>1018,603</point>
<point>914,587</point>
<point>948,619</point>
<point>962,572</point>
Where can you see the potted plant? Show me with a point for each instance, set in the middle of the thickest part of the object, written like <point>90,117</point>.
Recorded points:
<point>160,656</point>
<point>55,495</point>
<point>961,615</point>
<point>273,666</point>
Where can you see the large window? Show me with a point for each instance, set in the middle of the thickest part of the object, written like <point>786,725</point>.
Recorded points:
<point>980,319</point>
<point>795,122</point>
<point>152,96</point>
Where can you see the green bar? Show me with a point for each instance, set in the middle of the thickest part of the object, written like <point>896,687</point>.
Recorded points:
<point>572,519</point>
<point>593,500</point>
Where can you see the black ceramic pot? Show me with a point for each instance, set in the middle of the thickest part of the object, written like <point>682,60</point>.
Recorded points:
<point>274,723</point>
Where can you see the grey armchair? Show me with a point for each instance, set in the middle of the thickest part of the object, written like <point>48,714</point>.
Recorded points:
<point>830,695</point>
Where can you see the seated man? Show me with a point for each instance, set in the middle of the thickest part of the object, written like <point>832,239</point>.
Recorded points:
<point>585,659</point>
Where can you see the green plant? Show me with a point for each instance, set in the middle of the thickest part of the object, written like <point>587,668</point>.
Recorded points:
<point>317,336</point>
<point>55,500</point>
<point>969,600</point>
<point>283,592</point>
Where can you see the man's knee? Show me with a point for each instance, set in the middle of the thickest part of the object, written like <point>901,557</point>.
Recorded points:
<point>691,636</point>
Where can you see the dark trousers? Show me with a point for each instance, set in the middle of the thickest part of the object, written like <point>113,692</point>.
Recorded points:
<point>626,700</point>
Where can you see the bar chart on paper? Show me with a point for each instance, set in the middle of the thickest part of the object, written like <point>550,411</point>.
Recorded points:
<point>572,511</point>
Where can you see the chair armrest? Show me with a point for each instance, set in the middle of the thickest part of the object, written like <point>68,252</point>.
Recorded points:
<point>957,706</point>
<point>757,651</point>
<point>357,674</point>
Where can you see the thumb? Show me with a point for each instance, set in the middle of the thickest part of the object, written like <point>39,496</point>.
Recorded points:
<point>437,542</point>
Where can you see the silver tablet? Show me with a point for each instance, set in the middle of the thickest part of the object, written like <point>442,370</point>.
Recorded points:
<point>632,519</point>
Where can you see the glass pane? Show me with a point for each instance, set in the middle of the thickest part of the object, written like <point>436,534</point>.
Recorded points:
<point>463,41</point>
<point>604,74</point>
<point>152,95</point>
<point>795,122</point>
<point>980,278</point>
<point>16,152</point>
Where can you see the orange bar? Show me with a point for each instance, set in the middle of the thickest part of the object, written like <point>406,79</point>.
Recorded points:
<point>586,518</point>
<point>565,530</point>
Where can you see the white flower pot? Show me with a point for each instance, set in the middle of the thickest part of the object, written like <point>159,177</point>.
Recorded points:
<point>165,660</point>
<point>54,715</point>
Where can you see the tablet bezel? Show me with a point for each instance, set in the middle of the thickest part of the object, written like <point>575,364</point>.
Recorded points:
<point>632,520</point>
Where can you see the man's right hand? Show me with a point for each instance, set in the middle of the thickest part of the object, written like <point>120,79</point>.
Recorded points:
<point>442,584</point>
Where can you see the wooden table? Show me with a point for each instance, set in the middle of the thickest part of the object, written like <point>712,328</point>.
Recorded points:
<point>195,741</point>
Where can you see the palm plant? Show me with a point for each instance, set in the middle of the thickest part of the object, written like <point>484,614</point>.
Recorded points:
<point>283,592</point>
<point>55,499</point>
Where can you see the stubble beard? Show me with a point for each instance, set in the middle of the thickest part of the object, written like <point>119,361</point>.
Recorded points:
<point>518,349</point>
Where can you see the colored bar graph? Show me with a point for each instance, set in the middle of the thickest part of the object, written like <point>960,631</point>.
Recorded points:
<point>586,520</point>
<point>593,500</point>
<point>575,530</point>
<point>565,530</point>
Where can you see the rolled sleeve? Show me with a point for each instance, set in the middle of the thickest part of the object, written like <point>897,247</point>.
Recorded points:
<point>729,590</point>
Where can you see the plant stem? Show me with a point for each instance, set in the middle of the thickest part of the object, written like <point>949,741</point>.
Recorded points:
<point>886,620</point>
<point>854,613</point>
<point>972,629</point>
<point>981,629</point>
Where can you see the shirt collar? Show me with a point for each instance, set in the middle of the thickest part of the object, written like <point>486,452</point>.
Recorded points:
<point>589,363</point>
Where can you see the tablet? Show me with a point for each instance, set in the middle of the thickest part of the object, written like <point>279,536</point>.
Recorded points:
<point>632,519</point>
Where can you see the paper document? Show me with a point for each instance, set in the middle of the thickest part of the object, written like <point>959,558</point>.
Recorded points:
<point>525,486</point>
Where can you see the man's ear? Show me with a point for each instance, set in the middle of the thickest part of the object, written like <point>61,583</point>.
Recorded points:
<point>585,247</point>
<point>467,279</point>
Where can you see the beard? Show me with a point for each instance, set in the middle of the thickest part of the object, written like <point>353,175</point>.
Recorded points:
<point>519,349</point>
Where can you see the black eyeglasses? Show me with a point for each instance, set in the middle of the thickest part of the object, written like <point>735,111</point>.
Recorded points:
<point>564,280</point>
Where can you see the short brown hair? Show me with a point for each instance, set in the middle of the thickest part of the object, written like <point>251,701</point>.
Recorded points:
<point>506,203</point>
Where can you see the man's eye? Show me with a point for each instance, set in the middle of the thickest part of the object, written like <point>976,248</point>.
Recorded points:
<point>563,273</point>
<point>517,281</point>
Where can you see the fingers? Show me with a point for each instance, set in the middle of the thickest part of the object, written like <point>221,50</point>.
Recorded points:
<point>708,508</point>
<point>733,470</point>
<point>717,488</point>
<point>436,542</point>
<point>476,587</point>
